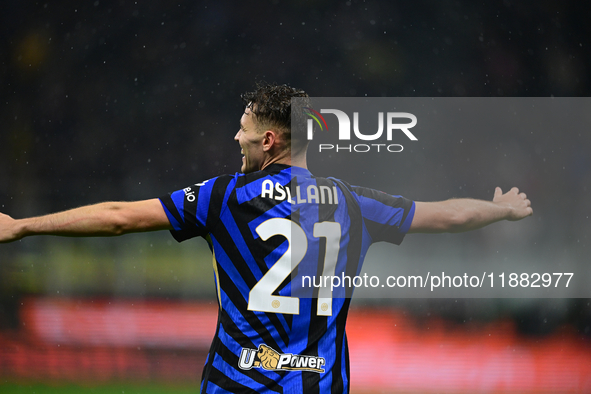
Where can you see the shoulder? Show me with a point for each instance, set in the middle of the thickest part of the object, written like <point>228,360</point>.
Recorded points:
<point>359,192</point>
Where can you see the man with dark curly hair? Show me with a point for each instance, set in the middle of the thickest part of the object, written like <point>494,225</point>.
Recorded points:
<point>271,220</point>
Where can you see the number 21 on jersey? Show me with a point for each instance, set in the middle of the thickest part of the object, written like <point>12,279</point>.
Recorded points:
<point>261,296</point>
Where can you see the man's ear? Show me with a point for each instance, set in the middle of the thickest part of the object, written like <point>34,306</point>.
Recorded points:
<point>270,139</point>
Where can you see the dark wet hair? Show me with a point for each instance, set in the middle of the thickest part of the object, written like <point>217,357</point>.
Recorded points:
<point>271,105</point>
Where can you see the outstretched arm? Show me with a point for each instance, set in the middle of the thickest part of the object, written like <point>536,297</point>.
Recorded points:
<point>104,219</point>
<point>458,215</point>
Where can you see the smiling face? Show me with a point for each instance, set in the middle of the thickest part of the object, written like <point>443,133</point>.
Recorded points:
<point>251,142</point>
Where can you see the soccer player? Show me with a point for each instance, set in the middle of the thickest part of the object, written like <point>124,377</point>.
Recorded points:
<point>264,225</point>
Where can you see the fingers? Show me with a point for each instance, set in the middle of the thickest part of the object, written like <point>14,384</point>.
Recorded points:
<point>527,202</point>
<point>517,200</point>
<point>515,190</point>
<point>529,209</point>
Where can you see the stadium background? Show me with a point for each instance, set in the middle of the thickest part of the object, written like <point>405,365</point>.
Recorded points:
<point>128,100</point>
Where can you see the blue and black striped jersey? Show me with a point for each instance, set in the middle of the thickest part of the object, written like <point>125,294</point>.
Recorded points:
<point>268,231</point>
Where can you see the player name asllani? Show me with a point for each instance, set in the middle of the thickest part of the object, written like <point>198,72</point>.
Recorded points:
<point>308,194</point>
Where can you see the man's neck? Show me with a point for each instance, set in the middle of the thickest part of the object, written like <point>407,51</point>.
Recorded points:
<point>295,161</point>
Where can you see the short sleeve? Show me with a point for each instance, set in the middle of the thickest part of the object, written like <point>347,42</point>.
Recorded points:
<point>386,217</point>
<point>191,211</point>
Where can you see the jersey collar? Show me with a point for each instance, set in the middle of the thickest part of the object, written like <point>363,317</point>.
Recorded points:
<point>276,168</point>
